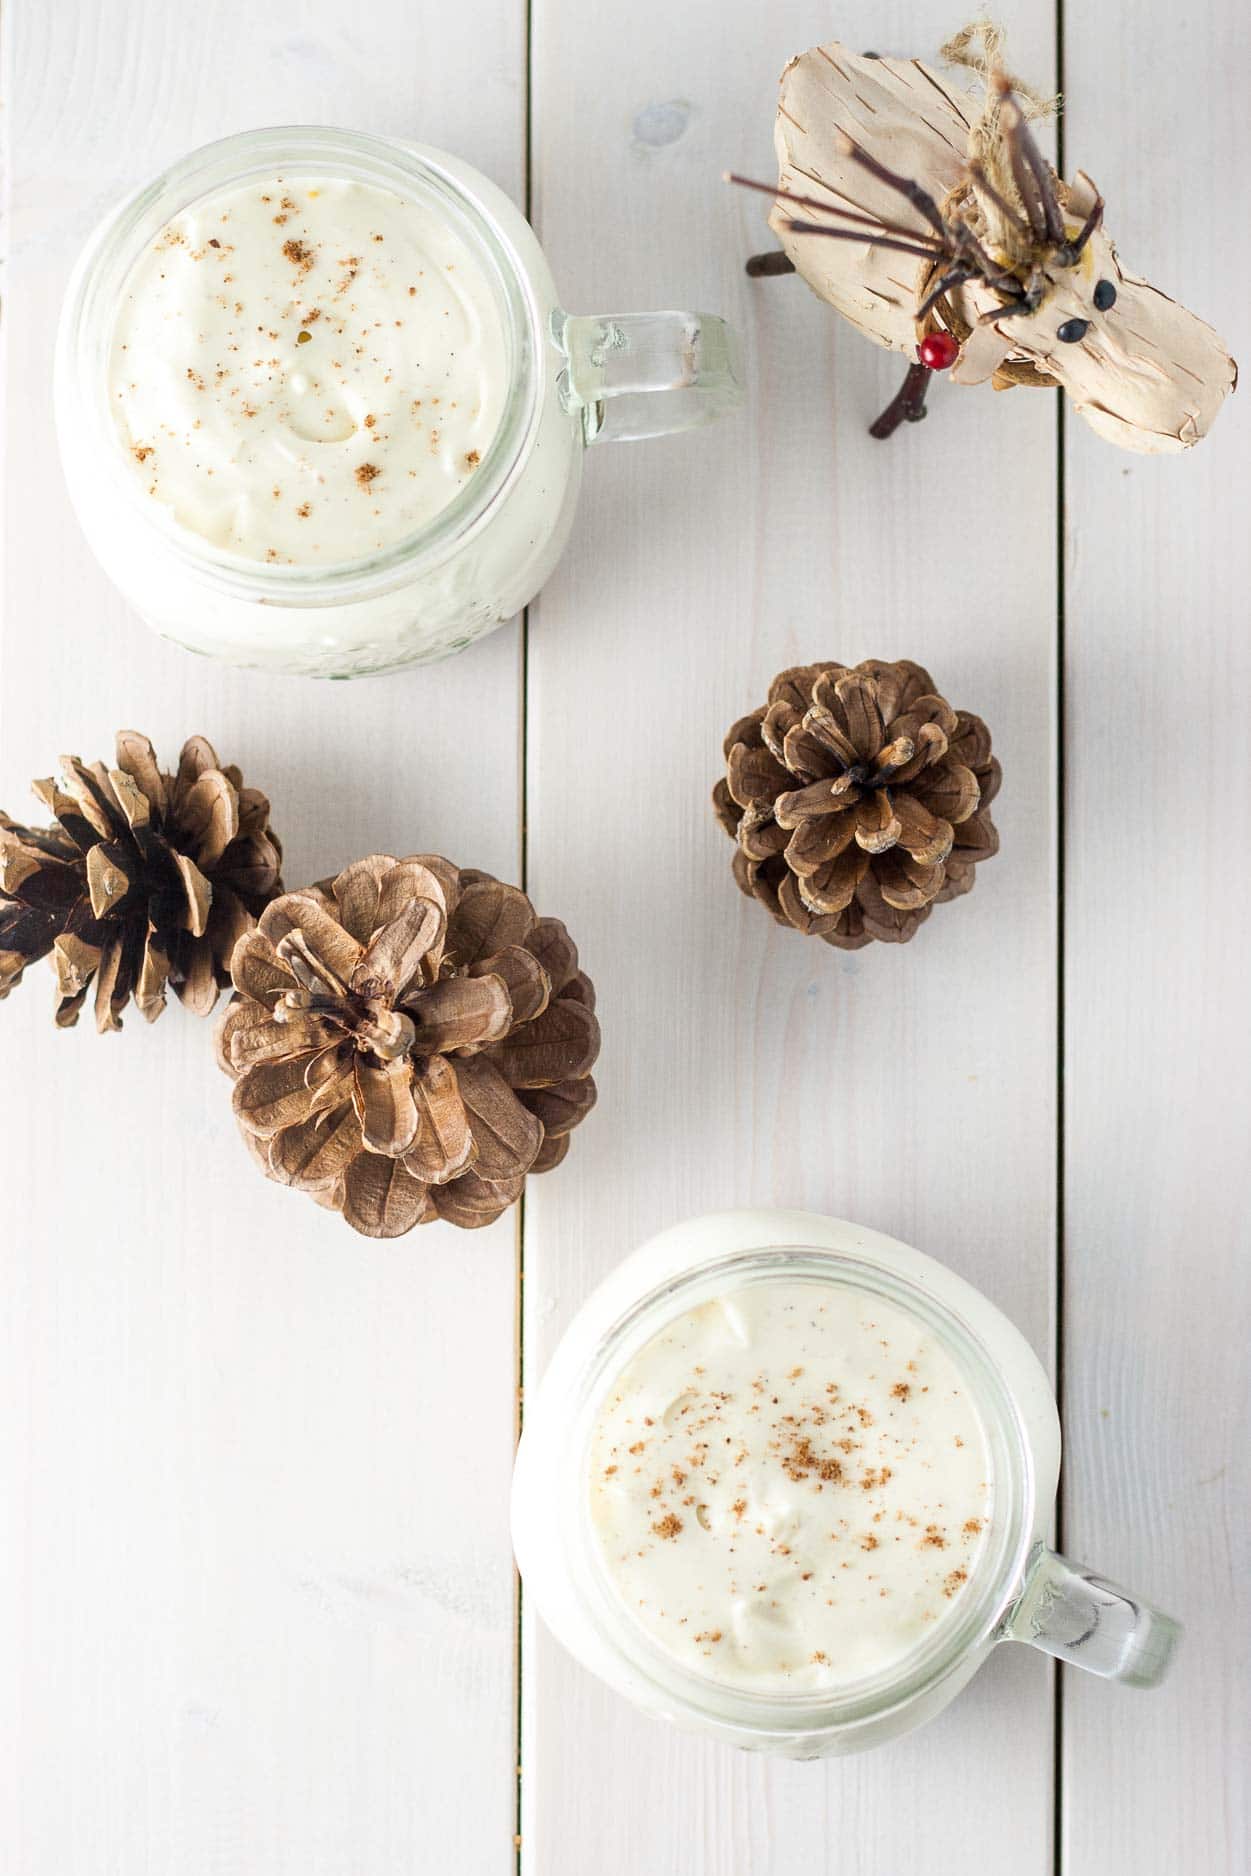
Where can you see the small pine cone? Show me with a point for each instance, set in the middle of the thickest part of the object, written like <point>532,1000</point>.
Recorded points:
<point>408,1042</point>
<point>858,799</point>
<point>143,879</point>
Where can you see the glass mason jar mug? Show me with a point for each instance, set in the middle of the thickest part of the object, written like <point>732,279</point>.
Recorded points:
<point>571,381</point>
<point>1017,1589</point>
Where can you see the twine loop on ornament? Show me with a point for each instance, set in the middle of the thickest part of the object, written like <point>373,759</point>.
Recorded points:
<point>978,47</point>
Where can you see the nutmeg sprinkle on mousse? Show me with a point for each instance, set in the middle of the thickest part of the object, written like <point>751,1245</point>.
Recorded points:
<point>790,1485</point>
<point>330,340</point>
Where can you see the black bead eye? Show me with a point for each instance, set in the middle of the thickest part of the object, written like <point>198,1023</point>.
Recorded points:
<point>1072,330</point>
<point>1105,296</point>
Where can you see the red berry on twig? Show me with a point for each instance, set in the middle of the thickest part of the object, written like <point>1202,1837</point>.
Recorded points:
<point>938,351</point>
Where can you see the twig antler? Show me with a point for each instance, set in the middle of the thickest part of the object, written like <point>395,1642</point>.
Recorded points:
<point>908,240</point>
<point>1030,171</point>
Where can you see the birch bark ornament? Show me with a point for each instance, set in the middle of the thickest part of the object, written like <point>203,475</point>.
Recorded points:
<point>918,213</point>
<point>408,1042</point>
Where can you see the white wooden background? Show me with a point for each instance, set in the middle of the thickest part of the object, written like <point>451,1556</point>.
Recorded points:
<point>257,1613</point>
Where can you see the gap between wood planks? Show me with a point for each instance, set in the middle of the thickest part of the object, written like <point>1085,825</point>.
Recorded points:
<point>527,189</point>
<point>1057,1678</point>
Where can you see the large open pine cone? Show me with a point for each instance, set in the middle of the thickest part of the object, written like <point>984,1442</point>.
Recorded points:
<point>143,879</point>
<point>858,799</point>
<point>408,1042</point>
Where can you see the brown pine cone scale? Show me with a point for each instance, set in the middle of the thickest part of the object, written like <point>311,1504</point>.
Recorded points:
<point>858,799</point>
<point>408,1042</point>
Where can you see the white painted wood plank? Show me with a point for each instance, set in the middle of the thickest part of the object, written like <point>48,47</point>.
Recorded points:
<point>1158,1285</point>
<point>910,1088</point>
<point>256,1468</point>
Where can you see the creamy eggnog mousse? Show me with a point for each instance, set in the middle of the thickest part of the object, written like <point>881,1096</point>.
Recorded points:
<point>321,411</point>
<point>790,1486</point>
<point>306,370</point>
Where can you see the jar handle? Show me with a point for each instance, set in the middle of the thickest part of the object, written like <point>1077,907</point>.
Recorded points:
<point>633,375</point>
<point>1068,1611</point>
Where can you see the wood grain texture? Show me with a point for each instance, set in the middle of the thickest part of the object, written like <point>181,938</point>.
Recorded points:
<point>913,1089</point>
<point>262,1615</point>
<point>1158,1076</point>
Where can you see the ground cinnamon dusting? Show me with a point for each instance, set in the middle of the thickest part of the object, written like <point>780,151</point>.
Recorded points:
<point>803,1460</point>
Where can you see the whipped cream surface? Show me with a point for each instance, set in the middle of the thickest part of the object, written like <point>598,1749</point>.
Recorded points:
<point>305,370</point>
<point>790,1486</point>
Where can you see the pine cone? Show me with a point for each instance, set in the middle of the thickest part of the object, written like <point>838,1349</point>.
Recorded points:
<point>142,879</point>
<point>408,1042</point>
<point>859,799</point>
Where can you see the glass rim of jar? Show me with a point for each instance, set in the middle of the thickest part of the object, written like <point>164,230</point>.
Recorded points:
<point>90,312</point>
<point>980,1609</point>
